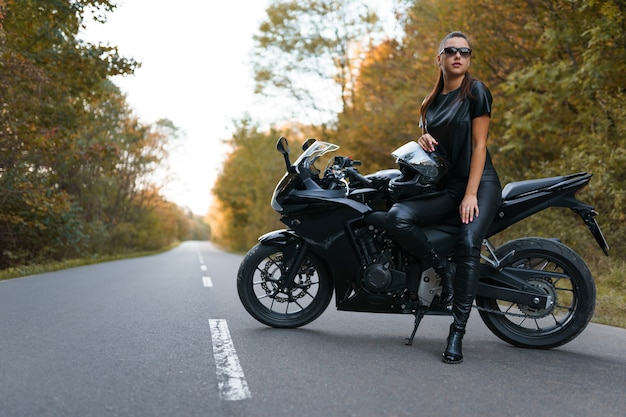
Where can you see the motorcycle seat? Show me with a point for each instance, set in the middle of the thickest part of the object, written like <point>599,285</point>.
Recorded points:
<point>517,188</point>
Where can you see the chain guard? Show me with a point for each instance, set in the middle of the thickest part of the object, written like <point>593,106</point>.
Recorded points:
<point>529,312</point>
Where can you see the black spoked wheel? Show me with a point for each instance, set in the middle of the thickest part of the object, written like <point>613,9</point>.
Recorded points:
<point>260,284</point>
<point>562,275</point>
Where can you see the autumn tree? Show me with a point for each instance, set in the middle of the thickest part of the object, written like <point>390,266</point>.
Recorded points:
<point>245,185</point>
<point>557,100</point>
<point>385,109</point>
<point>309,52</point>
<point>75,164</point>
<point>565,111</point>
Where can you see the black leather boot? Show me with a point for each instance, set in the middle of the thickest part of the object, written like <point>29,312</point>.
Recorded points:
<point>461,309</point>
<point>465,285</point>
<point>454,349</point>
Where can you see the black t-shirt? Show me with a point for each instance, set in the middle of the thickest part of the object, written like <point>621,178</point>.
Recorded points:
<point>449,121</point>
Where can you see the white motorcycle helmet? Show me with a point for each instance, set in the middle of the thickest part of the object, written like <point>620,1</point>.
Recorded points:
<point>423,173</point>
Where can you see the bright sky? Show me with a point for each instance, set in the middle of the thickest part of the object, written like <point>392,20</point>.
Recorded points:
<point>194,72</point>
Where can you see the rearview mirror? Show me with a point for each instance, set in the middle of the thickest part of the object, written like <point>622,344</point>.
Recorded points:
<point>283,147</point>
<point>307,144</point>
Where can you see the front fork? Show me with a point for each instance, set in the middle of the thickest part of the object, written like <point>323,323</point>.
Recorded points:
<point>296,253</point>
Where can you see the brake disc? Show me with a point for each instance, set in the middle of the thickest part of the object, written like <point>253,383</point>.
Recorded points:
<point>278,294</point>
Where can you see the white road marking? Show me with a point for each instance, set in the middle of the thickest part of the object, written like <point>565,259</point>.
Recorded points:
<point>199,255</point>
<point>203,267</point>
<point>206,281</point>
<point>231,381</point>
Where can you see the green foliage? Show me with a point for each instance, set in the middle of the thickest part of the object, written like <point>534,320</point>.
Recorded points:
<point>556,70</point>
<point>39,222</point>
<point>565,112</point>
<point>611,290</point>
<point>76,167</point>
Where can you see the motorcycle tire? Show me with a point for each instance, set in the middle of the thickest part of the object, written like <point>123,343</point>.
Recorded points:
<point>262,296</point>
<point>573,292</point>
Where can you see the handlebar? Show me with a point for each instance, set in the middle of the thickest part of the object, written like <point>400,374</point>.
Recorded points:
<point>345,162</point>
<point>354,175</point>
<point>343,167</point>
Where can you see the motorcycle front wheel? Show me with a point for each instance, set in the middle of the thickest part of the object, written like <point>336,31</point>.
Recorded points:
<point>266,298</point>
<point>561,274</point>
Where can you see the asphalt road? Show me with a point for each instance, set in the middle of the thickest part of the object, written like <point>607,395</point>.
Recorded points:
<point>166,335</point>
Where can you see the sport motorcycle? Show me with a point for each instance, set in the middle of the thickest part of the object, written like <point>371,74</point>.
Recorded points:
<point>533,292</point>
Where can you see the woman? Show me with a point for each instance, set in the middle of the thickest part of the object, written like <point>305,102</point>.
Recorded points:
<point>455,122</point>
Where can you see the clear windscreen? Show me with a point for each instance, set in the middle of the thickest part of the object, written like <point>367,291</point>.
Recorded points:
<point>314,152</point>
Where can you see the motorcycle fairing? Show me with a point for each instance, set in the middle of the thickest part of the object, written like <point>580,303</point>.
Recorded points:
<point>522,199</point>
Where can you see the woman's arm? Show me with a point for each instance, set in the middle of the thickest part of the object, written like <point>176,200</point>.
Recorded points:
<point>469,206</point>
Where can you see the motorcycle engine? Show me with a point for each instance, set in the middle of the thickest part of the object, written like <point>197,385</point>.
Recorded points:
<point>380,273</point>
<point>377,276</point>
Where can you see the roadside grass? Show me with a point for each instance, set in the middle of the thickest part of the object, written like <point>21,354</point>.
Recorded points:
<point>40,268</point>
<point>611,293</point>
<point>610,282</point>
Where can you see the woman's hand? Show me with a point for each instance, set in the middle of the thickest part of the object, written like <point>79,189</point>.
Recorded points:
<point>468,208</point>
<point>427,142</point>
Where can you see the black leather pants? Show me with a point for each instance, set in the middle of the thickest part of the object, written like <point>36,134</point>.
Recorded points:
<point>405,220</point>
<point>467,251</point>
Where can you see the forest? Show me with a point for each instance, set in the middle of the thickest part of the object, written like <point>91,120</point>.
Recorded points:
<point>77,168</point>
<point>556,69</point>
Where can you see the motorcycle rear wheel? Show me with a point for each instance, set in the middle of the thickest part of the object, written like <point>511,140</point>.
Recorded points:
<point>574,295</point>
<point>263,296</point>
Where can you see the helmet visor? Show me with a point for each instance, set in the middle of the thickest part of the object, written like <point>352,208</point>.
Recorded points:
<point>412,154</point>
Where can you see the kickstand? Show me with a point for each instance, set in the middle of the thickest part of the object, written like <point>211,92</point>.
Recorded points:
<point>419,314</point>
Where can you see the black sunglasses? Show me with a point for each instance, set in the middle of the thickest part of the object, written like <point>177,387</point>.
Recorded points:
<point>451,51</point>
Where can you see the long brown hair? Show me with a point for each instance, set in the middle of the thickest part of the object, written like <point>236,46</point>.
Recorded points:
<point>466,84</point>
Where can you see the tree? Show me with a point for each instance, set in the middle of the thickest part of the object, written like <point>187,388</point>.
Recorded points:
<point>245,186</point>
<point>311,51</point>
<point>566,111</point>
<point>558,105</point>
<point>76,167</point>
<point>384,112</point>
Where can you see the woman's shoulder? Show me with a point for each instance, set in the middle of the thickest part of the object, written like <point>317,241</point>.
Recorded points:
<point>480,99</point>
<point>479,87</point>
<point>479,91</point>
